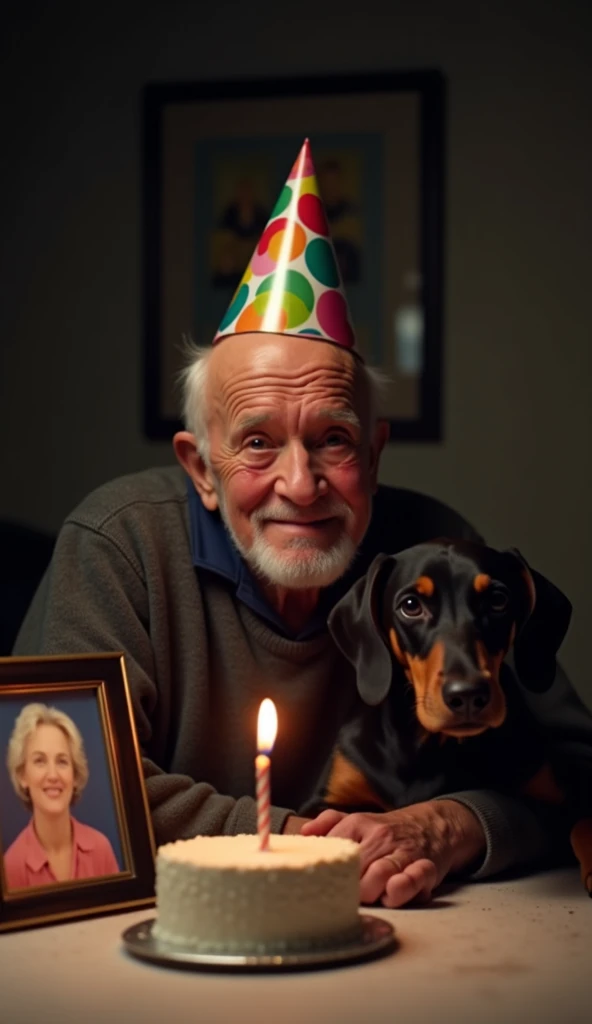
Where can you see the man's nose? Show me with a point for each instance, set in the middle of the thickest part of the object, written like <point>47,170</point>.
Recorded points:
<point>298,478</point>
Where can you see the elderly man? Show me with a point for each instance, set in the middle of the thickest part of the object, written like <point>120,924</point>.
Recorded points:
<point>216,577</point>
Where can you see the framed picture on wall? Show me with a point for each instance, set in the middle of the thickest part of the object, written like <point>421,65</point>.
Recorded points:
<point>75,832</point>
<point>216,155</point>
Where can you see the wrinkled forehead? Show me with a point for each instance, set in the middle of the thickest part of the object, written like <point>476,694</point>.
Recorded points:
<point>249,372</point>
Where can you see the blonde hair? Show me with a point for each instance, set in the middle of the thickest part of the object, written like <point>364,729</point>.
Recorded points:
<point>192,381</point>
<point>31,716</point>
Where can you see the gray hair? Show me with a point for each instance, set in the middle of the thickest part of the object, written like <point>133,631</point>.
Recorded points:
<point>27,721</point>
<point>193,378</point>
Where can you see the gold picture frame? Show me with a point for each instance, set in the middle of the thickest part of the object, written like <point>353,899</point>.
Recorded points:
<point>216,155</point>
<point>88,697</point>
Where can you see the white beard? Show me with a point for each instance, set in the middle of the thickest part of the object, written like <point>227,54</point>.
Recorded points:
<point>316,568</point>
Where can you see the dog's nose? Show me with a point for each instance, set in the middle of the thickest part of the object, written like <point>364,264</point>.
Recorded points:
<point>466,698</point>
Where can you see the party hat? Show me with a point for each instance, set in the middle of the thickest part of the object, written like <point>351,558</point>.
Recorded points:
<point>292,285</point>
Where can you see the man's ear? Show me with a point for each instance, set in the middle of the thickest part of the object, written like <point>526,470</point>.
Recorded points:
<point>185,448</point>
<point>379,439</point>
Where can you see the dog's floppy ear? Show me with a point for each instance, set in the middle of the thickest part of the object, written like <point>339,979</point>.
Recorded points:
<point>542,633</point>
<point>353,624</point>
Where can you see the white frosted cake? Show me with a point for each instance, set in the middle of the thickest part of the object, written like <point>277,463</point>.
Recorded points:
<point>222,894</point>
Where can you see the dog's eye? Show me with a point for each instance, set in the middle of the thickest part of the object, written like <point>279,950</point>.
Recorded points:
<point>498,601</point>
<point>411,607</point>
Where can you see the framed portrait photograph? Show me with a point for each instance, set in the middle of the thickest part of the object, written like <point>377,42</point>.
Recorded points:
<point>75,831</point>
<point>216,157</point>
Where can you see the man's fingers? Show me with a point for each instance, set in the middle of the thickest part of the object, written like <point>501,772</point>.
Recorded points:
<point>374,880</point>
<point>323,823</point>
<point>397,881</point>
<point>418,879</point>
<point>374,835</point>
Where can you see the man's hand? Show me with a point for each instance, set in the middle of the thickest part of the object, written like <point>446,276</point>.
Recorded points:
<point>408,852</point>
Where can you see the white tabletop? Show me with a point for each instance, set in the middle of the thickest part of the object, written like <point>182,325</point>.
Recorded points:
<point>486,953</point>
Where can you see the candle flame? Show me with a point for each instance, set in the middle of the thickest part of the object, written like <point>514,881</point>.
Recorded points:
<point>266,726</point>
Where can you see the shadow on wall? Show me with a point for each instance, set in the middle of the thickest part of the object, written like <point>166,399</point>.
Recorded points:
<point>24,556</point>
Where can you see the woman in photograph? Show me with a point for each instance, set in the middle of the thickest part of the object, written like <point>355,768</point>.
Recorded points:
<point>48,768</point>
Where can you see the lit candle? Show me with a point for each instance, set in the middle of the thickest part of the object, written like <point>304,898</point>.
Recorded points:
<point>266,733</point>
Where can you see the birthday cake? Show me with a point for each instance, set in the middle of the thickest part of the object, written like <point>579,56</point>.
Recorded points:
<point>223,895</point>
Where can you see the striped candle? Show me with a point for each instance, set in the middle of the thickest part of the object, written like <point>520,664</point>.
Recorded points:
<point>266,733</point>
<point>262,777</point>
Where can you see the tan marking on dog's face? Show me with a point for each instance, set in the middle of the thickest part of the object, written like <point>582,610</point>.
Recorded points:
<point>424,585</point>
<point>490,665</point>
<point>348,787</point>
<point>426,676</point>
<point>397,649</point>
<point>481,582</point>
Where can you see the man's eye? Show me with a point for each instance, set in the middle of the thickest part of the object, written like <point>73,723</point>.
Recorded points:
<point>257,444</point>
<point>336,439</point>
<point>411,607</point>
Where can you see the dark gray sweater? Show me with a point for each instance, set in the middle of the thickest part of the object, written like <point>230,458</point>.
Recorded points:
<point>199,662</point>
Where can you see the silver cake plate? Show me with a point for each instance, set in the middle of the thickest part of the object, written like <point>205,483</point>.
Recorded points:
<point>376,938</point>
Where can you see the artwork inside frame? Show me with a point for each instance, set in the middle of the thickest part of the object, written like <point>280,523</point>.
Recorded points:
<point>70,757</point>
<point>216,156</point>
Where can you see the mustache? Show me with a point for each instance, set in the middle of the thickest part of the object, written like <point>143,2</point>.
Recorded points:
<point>287,513</point>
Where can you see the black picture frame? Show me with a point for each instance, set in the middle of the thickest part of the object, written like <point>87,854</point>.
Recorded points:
<point>96,687</point>
<point>178,121</point>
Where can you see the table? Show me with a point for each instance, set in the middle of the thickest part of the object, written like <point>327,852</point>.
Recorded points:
<point>488,953</point>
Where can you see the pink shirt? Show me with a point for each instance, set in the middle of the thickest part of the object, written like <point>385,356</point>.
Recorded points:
<point>26,862</point>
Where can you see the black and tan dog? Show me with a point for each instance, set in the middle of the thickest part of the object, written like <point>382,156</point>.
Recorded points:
<point>427,631</point>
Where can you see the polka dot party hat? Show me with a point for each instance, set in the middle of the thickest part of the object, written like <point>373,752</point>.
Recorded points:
<point>293,285</point>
